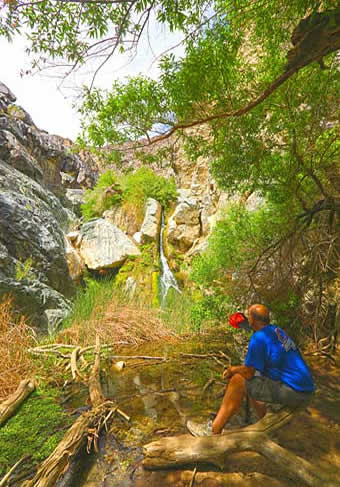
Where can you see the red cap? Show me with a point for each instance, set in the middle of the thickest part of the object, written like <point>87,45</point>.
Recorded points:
<point>238,320</point>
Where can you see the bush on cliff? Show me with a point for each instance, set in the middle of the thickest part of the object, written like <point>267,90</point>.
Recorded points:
<point>144,183</point>
<point>103,196</point>
<point>112,190</point>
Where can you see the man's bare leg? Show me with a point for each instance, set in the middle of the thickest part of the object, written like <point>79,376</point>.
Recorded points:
<point>231,403</point>
<point>259,406</point>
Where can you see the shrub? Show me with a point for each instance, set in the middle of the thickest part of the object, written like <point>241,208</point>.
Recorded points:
<point>132,189</point>
<point>103,196</point>
<point>144,183</point>
<point>213,309</point>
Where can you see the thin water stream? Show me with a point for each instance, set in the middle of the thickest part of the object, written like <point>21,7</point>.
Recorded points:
<point>167,279</point>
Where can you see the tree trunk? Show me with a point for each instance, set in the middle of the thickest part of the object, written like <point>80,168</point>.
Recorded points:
<point>183,450</point>
<point>11,404</point>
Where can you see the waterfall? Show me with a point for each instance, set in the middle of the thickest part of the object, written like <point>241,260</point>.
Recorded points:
<point>167,279</point>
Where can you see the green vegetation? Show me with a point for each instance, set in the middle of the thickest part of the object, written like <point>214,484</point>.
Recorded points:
<point>144,270</point>
<point>96,295</point>
<point>282,145</point>
<point>24,269</point>
<point>102,197</point>
<point>133,188</point>
<point>229,266</point>
<point>35,430</point>
<point>144,183</point>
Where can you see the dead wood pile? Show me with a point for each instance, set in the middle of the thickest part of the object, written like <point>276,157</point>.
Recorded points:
<point>86,428</point>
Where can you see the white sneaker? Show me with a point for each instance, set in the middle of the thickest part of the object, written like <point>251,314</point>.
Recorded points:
<point>200,429</point>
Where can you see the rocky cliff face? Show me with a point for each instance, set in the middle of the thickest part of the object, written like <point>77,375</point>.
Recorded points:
<point>41,188</point>
<point>38,178</point>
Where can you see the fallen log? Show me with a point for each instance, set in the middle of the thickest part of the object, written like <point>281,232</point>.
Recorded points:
<point>85,429</point>
<point>11,404</point>
<point>57,463</point>
<point>185,449</point>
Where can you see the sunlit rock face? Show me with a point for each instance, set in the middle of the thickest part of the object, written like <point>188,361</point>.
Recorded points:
<point>37,172</point>
<point>125,218</point>
<point>105,246</point>
<point>152,221</point>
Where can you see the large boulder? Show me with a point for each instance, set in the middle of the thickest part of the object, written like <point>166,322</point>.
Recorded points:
<point>73,199</point>
<point>104,246</point>
<point>152,221</point>
<point>124,217</point>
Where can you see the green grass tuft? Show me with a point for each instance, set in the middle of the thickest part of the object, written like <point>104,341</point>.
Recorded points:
<point>97,292</point>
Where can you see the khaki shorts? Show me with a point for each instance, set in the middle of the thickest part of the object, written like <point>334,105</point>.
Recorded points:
<point>276,392</point>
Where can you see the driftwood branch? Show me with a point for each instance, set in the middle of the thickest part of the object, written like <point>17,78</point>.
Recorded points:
<point>183,450</point>
<point>58,462</point>
<point>95,390</point>
<point>74,368</point>
<point>86,429</point>
<point>11,404</point>
<point>5,479</point>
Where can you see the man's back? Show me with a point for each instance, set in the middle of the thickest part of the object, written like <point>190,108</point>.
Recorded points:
<point>274,354</point>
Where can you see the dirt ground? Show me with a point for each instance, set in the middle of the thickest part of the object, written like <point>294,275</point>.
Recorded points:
<point>313,435</point>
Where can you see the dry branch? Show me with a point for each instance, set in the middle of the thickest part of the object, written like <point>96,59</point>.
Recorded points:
<point>183,450</point>
<point>74,368</point>
<point>5,478</point>
<point>95,390</point>
<point>11,404</point>
<point>87,427</point>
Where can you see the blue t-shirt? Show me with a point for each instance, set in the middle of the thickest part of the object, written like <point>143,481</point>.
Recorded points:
<point>273,353</point>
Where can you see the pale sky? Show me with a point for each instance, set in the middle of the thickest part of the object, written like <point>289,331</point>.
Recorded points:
<point>50,108</point>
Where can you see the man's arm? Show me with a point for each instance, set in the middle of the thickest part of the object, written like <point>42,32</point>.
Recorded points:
<point>244,370</point>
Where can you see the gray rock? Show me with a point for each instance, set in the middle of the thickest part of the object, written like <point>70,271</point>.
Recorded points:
<point>39,154</point>
<point>187,212</point>
<point>75,263</point>
<point>54,319</point>
<point>7,93</point>
<point>33,265</point>
<point>152,221</point>
<point>104,245</point>
<point>15,154</point>
<point>73,199</point>
<point>32,297</point>
<point>182,236</point>
<point>137,237</point>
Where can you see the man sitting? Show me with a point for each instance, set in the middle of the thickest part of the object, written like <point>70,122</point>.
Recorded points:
<point>274,372</point>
